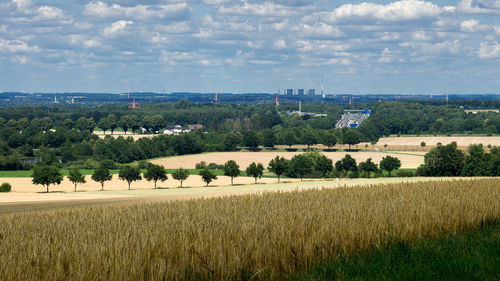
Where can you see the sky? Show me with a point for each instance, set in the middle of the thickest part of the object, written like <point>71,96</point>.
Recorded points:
<point>356,47</point>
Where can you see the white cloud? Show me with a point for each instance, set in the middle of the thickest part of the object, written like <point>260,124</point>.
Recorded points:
<point>117,27</point>
<point>47,12</point>
<point>266,9</point>
<point>479,6</point>
<point>23,5</point>
<point>321,30</point>
<point>14,46</point>
<point>139,12</point>
<point>279,44</point>
<point>474,26</point>
<point>405,10</point>
<point>489,50</point>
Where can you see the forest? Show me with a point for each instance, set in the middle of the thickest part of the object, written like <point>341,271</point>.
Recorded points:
<point>63,135</point>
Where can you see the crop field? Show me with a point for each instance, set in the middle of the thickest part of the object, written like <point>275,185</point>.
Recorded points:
<point>24,185</point>
<point>27,194</point>
<point>413,143</point>
<point>408,160</point>
<point>269,236</point>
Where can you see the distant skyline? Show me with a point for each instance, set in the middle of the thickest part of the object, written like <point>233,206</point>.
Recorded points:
<point>405,47</point>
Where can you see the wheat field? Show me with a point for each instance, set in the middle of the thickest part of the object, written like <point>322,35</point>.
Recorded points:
<point>268,236</point>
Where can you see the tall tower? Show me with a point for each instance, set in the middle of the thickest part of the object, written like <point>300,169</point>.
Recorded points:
<point>446,98</point>
<point>322,92</point>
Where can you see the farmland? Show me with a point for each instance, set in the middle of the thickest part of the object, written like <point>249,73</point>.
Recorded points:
<point>409,160</point>
<point>270,236</point>
<point>26,193</point>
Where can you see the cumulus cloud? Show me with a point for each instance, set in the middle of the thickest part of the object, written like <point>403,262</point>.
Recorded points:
<point>474,26</point>
<point>400,11</point>
<point>266,9</point>
<point>117,27</point>
<point>14,46</point>
<point>250,34</point>
<point>479,6</point>
<point>489,50</point>
<point>139,12</point>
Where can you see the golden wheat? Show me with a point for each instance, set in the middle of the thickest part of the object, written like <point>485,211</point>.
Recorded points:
<point>269,236</point>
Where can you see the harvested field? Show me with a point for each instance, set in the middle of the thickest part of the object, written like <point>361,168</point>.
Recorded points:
<point>461,141</point>
<point>273,236</point>
<point>244,159</point>
<point>147,194</point>
<point>24,185</point>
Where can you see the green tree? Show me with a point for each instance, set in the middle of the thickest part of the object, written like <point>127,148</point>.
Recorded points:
<point>268,138</point>
<point>300,165</point>
<point>134,123</point>
<point>368,166</point>
<point>350,137</point>
<point>278,166</point>
<point>76,177</point>
<point>476,161</point>
<point>323,164</point>
<point>101,175</point>
<point>155,173</point>
<point>329,140</point>
<point>390,163</point>
<point>250,139</point>
<point>130,174</point>
<point>157,123</point>
<point>289,139</point>
<point>113,122</point>
<point>422,144</point>
<point>103,124</point>
<point>231,169</point>
<point>347,164</point>
<point>309,137</point>
<point>255,170</point>
<point>443,161</point>
<point>180,175</point>
<point>68,123</point>
<point>207,175</point>
<point>23,123</point>
<point>125,123</point>
<point>231,141</point>
<point>46,175</point>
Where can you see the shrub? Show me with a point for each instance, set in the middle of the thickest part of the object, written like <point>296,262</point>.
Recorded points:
<point>201,165</point>
<point>214,166</point>
<point>143,164</point>
<point>5,187</point>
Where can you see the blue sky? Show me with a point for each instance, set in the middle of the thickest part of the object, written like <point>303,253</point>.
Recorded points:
<point>359,47</point>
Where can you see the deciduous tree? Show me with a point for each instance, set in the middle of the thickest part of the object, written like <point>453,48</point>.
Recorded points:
<point>278,166</point>
<point>130,174</point>
<point>101,175</point>
<point>207,175</point>
<point>231,169</point>
<point>155,173</point>
<point>180,175</point>
<point>255,170</point>
<point>46,175</point>
<point>390,163</point>
<point>76,177</point>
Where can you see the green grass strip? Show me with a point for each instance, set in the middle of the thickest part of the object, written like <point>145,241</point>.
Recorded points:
<point>474,255</point>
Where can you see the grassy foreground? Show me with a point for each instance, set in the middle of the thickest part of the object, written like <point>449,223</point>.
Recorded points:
<point>473,255</point>
<point>272,236</point>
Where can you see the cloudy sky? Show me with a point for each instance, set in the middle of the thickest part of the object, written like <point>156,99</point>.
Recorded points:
<point>406,46</point>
